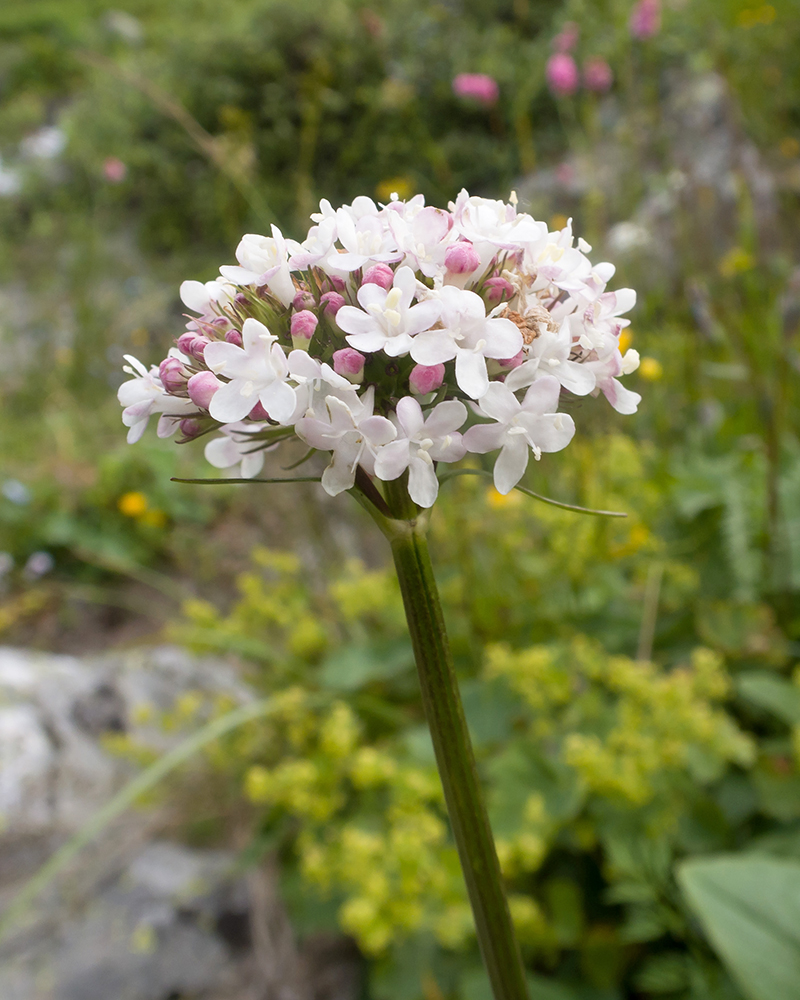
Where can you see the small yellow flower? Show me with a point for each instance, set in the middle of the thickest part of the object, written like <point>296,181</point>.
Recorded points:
<point>625,340</point>
<point>651,369</point>
<point>132,504</point>
<point>558,222</point>
<point>735,261</point>
<point>499,500</point>
<point>401,186</point>
<point>790,147</point>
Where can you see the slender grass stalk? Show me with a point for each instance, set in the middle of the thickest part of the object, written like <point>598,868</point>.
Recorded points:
<point>454,755</point>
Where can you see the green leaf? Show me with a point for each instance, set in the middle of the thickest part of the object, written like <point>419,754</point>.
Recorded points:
<point>750,909</point>
<point>774,694</point>
<point>355,666</point>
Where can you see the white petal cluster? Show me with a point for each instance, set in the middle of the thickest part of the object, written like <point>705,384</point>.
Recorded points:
<point>393,337</point>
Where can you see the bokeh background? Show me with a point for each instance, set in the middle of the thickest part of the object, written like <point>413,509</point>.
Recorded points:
<point>629,683</point>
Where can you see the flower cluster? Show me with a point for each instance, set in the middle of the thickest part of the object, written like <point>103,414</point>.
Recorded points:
<point>394,338</point>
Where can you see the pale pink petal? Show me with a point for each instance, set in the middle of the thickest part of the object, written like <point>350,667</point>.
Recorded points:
<point>511,464</point>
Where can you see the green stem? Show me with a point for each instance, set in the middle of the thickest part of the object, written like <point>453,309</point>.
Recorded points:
<point>454,755</point>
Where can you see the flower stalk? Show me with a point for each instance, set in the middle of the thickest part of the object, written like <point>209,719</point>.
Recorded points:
<point>444,712</point>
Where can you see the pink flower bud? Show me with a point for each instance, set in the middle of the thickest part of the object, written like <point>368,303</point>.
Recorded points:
<point>304,323</point>
<point>202,387</point>
<point>597,75</point>
<point>514,362</point>
<point>198,346</point>
<point>332,302</point>
<point>425,378</point>
<point>498,289</point>
<point>234,337</point>
<point>461,258</point>
<point>349,363</point>
<point>339,284</point>
<point>645,19</point>
<point>240,299</point>
<point>186,340</point>
<point>190,427</point>
<point>220,322</point>
<point>379,274</point>
<point>258,413</point>
<point>172,374</point>
<point>114,170</point>
<point>562,74</point>
<point>567,38</point>
<point>303,300</point>
<point>477,86</point>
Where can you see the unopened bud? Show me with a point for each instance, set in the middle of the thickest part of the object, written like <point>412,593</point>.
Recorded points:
<point>186,340</point>
<point>220,322</point>
<point>461,258</point>
<point>303,299</point>
<point>350,363</point>
<point>425,378</point>
<point>202,387</point>
<point>499,289</point>
<point>234,337</point>
<point>172,374</point>
<point>258,413</point>
<point>379,274</point>
<point>332,302</point>
<point>510,363</point>
<point>190,427</point>
<point>304,323</point>
<point>198,346</point>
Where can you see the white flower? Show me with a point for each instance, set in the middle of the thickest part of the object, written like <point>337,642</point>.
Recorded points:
<point>351,432</point>
<point>314,381</point>
<point>469,336</point>
<point>483,219</point>
<point>144,395</point>
<point>388,321</point>
<point>422,238</point>
<point>365,239</point>
<point>423,442</point>
<point>532,424</point>
<point>606,369</point>
<point>600,323</point>
<point>199,296</point>
<point>257,373</point>
<point>549,354</point>
<point>237,449</point>
<point>316,246</point>
<point>264,261</point>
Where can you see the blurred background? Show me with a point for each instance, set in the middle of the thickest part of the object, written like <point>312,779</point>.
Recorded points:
<point>629,683</point>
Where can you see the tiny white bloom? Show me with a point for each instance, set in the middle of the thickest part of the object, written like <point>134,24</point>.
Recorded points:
<point>387,321</point>
<point>469,336</point>
<point>263,260</point>
<point>237,451</point>
<point>144,395</point>
<point>257,373</point>
<point>519,428</point>
<point>424,440</point>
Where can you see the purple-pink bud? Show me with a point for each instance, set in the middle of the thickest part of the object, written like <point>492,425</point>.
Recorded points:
<point>190,427</point>
<point>567,38</point>
<point>597,75</point>
<point>461,258</point>
<point>379,274</point>
<point>304,323</point>
<point>498,289</point>
<point>477,86</point>
<point>350,363</point>
<point>220,322</point>
<point>645,19</point>
<point>332,302</point>
<point>198,346</point>
<point>303,299</point>
<point>425,378</point>
<point>562,74</point>
<point>172,375</point>
<point>234,337</point>
<point>514,362</point>
<point>202,387</point>
<point>258,413</point>
<point>186,340</point>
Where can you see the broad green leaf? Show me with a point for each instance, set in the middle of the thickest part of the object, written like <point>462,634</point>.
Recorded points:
<point>750,908</point>
<point>354,666</point>
<point>774,694</point>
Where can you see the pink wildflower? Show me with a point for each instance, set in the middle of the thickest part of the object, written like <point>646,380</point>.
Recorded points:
<point>562,74</point>
<point>597,75</point>
<point>645,19</point>
<point>477,86</point>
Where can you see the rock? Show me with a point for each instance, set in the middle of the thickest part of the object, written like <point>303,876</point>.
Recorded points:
<point>136,917</point>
